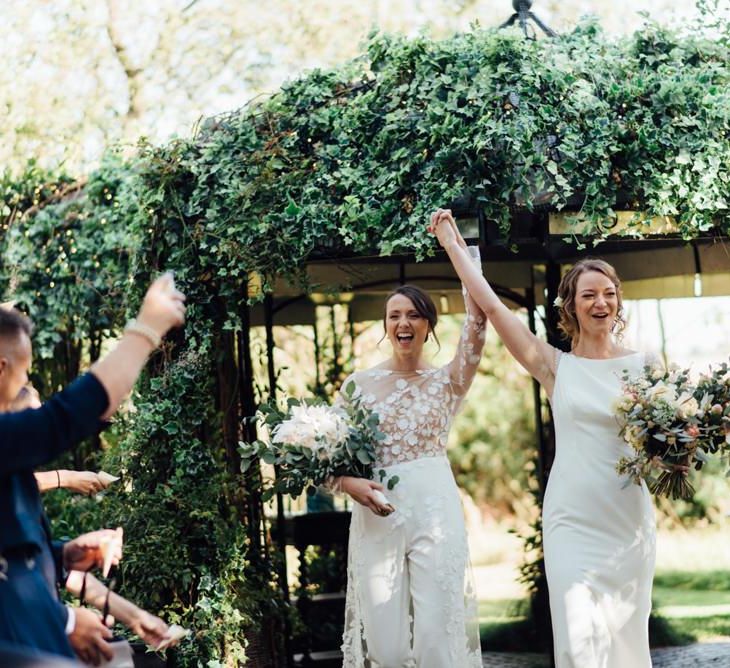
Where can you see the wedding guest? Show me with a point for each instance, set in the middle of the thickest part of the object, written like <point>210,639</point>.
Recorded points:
<point>31,615</point>
<point>89,646</point>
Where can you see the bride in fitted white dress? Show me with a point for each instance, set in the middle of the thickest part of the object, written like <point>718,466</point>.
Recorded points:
<point>599,533</point>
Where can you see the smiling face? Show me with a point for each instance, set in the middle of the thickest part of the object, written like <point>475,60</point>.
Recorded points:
<point>405,327</point>
<point>590,301</point>
<point>596,303</point>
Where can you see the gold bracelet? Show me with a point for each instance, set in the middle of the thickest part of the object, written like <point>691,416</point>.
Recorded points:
<point>146,332</point>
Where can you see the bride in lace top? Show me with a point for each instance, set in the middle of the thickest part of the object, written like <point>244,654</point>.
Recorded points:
<point>410,602</point>
<point>416,406</point>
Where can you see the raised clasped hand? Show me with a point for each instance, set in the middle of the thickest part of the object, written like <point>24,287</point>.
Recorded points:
<point>443,226</point>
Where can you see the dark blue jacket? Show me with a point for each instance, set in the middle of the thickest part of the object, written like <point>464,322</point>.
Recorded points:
<point>34,437</point>
<point>29,439</point>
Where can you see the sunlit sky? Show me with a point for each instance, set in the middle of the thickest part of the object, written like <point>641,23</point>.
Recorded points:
<point>697,330</point>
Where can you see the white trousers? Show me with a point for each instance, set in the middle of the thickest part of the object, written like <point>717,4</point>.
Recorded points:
<point>410,602</point>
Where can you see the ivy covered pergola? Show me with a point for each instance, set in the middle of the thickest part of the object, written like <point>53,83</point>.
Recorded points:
<point>546,150</point>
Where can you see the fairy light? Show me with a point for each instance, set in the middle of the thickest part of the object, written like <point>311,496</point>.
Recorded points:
<point>698,285</point>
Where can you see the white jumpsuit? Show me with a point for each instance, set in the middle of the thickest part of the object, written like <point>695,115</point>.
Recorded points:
<point>410,600</point>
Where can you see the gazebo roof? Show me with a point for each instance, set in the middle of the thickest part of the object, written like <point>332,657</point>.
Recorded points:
<point>658,265</point>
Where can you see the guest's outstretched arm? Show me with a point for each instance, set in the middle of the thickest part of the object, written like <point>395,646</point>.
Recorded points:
<point>147,626</point>
<point>81,482</point>
<point>163,308</point>
<point>31,438</point>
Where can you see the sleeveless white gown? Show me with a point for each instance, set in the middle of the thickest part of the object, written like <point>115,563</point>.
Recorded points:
<point>599,533</point>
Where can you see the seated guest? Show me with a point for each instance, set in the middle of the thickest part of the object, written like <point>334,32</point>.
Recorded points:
<point>31,615</point>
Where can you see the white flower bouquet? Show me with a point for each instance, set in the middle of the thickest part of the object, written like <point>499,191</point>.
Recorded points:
<point>311,443</point>
<point>662,417</point>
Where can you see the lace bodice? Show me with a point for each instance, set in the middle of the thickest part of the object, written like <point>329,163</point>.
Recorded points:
<point>416,408</point>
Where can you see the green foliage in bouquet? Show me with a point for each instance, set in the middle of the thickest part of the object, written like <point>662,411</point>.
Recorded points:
<point>311,443</point>
<point>661,419</point>
<point>715,385</point>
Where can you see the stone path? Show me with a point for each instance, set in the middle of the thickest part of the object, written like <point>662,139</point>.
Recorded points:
<point>711,655</point>
<point>505,660</point>
<point>715,655</point>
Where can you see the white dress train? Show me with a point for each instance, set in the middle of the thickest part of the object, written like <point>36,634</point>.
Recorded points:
<point>599,533</point>
<point>410,598</point>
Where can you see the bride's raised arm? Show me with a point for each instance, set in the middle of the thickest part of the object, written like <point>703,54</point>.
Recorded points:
<point>536,356</point>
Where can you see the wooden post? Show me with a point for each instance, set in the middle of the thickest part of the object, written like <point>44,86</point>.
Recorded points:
<point>280,529</point>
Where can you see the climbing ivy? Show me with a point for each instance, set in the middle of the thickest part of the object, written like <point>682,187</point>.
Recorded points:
<point>352,160</point>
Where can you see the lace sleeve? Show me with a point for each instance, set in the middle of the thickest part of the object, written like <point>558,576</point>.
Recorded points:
<point>463,367</point>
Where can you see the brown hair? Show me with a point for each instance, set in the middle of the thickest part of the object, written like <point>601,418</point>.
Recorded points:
<point>13,323</point>
<point>568,322</point>
<point>422,302</point>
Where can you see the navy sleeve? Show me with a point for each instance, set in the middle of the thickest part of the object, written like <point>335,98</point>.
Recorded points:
<point>57,554</point>
<point>35,437</point>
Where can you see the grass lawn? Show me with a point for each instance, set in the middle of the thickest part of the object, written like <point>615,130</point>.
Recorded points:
<point>696,603</point>
<point>692,604</point>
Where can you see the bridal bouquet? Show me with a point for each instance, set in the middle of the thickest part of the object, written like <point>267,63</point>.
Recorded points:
<point>311,443</point>
<point>662,417</point>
